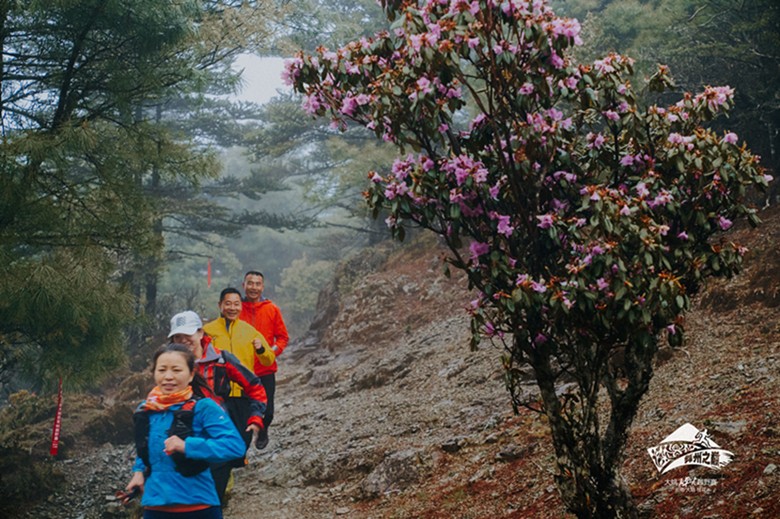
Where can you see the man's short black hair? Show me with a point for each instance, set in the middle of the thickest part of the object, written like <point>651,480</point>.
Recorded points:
<point>254,273</point>
<point>228,290</point>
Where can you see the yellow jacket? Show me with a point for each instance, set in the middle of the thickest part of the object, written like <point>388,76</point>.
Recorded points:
<point>237,339</point>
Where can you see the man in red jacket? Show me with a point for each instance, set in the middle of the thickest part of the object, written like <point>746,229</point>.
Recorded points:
<point>267,319</point>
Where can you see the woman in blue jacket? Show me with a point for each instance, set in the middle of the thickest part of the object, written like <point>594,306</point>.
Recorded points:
<point>177,436</point>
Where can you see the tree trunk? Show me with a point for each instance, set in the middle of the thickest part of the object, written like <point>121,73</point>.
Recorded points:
<point>589,479</point>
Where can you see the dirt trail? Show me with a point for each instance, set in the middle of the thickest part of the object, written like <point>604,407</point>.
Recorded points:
<point>384,412</point>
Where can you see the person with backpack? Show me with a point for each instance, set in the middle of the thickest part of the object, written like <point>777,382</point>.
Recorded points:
<point>229,333</point>
<point>220,369</point>
<point>178,435</point>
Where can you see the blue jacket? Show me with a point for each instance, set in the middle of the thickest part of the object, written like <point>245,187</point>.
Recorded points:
<point>214,439</point>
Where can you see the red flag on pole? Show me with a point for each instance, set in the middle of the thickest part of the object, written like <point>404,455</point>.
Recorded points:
<point>208,274</point>
<point>55,432</point>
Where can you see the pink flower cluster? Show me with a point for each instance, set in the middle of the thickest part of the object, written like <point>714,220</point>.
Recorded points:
<point>715,97</point>
<point>463,166</point>
<point>567,27</point>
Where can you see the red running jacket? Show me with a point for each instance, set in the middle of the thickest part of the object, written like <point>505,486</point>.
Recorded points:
<point>220,368</point>
<point>267,319</point>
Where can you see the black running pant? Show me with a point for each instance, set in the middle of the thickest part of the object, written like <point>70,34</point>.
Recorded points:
<point>239,411</point>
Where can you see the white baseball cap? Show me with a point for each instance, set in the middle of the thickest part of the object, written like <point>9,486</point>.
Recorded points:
<point>185,322</point>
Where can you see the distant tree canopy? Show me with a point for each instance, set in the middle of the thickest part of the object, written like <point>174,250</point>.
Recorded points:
<point>89,164</point>
<point>704,42</point>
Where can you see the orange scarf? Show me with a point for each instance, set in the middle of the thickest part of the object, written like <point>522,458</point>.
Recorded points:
<point>158,401</point>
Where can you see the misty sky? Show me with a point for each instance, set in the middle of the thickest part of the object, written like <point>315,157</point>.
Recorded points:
<point>262,77</point>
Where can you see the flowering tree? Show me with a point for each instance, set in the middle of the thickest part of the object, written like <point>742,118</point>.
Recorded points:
<point>585,218</point>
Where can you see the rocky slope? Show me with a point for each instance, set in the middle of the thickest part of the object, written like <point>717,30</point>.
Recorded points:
<point>384,412</point>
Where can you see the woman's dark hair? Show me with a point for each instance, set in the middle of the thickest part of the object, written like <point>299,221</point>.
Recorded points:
<point>199,385</point>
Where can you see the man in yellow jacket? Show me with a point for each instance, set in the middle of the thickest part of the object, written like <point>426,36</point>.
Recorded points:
<point>229,333</point>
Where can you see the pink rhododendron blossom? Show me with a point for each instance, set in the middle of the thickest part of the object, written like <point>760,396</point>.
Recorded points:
<point>724,223</point>
<point>311,104</point>
<point>566,27</point>
<point>595,140</point>
<point>661,199</point>
<point>611,115</point>
<point>292,70</point>
<point>559,206</point>
<point>641,190</point>
<point>489,329</point>
<point>675,138</point>
<point>627,160</point>
<point>545,221</point>
<point>565,175</point>
<point>504,225</point>
<point>601,284</point>
<point>730,138</point>
<point>348,105</point>
<point>351,68</point>
<point>526,89</point>
<point>571,82</point>
<point>402,167</point>
<point>477,121</point>
<point>426,163</point>
<point>478,249</point>
<point>682,235</point>
<point>538,287</point>
<point>625,211</point>
<point>396,189</point>
<point>604,65</point>
<point>715,97</point>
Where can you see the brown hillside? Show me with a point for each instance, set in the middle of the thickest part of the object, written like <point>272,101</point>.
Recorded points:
<point>383,412</point>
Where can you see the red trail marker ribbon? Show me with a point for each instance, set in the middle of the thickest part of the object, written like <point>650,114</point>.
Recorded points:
<point>55,432</point>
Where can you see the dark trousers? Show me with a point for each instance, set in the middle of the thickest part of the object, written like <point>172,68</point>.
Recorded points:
<point>238,410</point>
<point>269,383</point>
<point>221,475</point>
<point>213,512</point>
